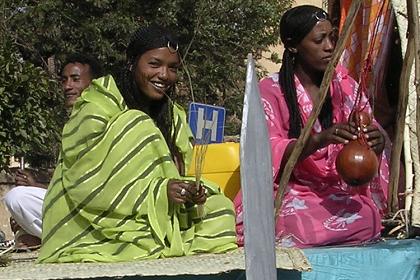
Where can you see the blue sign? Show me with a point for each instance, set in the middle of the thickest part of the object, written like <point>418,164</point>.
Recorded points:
<point>207,123</point>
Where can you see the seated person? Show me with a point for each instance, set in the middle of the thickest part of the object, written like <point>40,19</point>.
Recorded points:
<point>318,208</point>
<point>24,202</point>
<point>118,192</point>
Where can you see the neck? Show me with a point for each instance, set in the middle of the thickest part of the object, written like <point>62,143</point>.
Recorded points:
<point>308,77</point>
<point>143,103</point>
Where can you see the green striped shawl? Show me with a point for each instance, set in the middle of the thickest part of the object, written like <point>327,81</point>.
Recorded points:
<point>107,200</point>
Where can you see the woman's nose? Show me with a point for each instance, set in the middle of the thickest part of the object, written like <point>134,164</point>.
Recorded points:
<point>329,45</point>
<point>163,73</point>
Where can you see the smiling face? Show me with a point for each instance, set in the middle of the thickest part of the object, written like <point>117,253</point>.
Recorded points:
<point>315,50</point>
<point>156,72</point>
<point>75,77</point>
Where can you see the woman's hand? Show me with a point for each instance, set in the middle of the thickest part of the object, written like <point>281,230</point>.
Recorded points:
<point>340,133</point>
<point>375,138</point>
<point>185,192</point>
<point>200,196</point>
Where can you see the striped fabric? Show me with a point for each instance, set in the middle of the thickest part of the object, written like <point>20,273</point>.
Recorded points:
<point>107,201</point>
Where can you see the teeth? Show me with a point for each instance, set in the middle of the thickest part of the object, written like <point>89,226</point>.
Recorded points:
<point>159,85</point>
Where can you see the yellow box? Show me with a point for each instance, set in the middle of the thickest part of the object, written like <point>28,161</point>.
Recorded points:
<point>221,165</point>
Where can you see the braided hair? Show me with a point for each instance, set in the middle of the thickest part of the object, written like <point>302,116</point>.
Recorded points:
<point>161,112</point>
<point>295,24</point>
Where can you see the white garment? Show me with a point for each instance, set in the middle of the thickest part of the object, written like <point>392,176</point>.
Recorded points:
<point>25,206</point>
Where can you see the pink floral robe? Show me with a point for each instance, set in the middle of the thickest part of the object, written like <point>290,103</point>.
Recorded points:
<point>318,207</point>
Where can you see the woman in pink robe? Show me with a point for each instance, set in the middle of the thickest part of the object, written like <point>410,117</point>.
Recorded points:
<point>319,208</point>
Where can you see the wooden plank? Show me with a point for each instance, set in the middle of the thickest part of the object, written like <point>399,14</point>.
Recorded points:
<point>256,184</point>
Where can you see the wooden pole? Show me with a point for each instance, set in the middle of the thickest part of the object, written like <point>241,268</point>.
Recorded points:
<point>401,114</point>
<point>414,7</point>
<point>325,84</point>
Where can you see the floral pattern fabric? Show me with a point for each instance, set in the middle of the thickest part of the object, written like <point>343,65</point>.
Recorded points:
<point>319,208</point>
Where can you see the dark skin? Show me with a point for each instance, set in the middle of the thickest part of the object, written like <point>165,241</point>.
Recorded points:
<point>25,178</point>
<point>191,196</point>
<point>312,56</point>
<point>155,73</point>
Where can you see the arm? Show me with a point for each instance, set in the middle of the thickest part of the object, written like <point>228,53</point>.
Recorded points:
<point>277,116</point>
<point>336,134</point>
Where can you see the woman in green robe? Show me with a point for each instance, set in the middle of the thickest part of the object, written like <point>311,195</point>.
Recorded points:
<point>119,192</point>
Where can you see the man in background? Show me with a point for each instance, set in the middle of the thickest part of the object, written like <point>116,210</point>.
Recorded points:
<point>24,202</point>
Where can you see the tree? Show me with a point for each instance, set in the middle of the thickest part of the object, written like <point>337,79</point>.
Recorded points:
<point>30,106</point>
<point>215,37</point>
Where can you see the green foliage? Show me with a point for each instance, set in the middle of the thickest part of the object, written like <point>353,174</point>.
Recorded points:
<point>30,102</point>
<point>215,38</point>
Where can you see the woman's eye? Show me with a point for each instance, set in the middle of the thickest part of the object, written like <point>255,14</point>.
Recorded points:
<point>154,64</point>
<point>173,68</point>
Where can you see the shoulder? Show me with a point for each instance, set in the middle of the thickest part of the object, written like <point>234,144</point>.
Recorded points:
<point>271,80</point>
<point>103,92</point>
<point>178,109</point>
<point>98,103</point>
<point>270,88</point>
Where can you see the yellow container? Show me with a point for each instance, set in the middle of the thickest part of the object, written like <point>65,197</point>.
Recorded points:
<point>221,165</point>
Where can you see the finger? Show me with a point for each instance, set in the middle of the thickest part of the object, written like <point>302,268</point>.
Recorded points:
<point>373,142</point>
<point>376,141</point>
<point>190,188</point>
<point>178,200</point>
<point>23,173</point>
<point>372,134</point>
<point>343,136</point>
<point>371,128</point>
<point>201,200</point>
<point>176,197</point>
<point>201,196</point>
<point>351,126</point>
<point>20,179</point>
<point>376,144</point>
<point>184,193</point>
<point>20,182</point>
<point>201,191</point>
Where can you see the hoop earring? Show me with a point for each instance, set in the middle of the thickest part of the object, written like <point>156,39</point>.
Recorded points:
<point>173,48</point>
